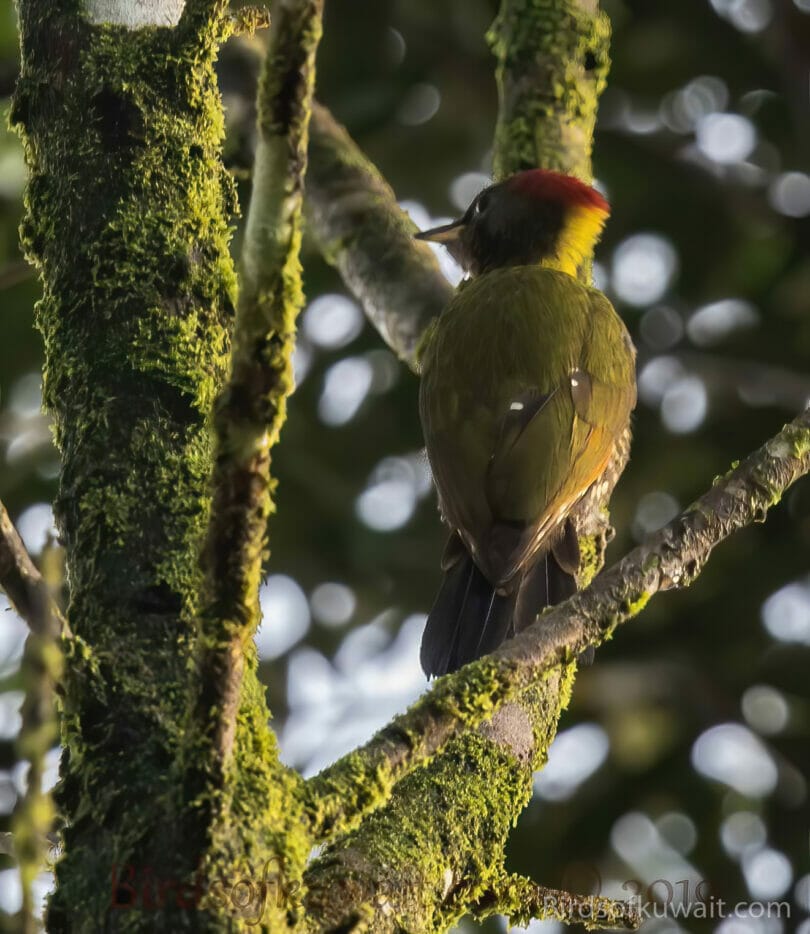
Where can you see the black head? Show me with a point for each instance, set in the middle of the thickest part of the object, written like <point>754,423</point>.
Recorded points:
<point>532,217</point>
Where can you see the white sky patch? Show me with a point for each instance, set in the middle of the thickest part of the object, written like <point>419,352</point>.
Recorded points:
<point>335,707</point>
<point>13,633</point>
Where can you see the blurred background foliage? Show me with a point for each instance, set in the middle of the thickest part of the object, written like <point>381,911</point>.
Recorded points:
<point>684,754</point>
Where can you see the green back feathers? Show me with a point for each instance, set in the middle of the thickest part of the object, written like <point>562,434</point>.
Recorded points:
<point>528,380</point>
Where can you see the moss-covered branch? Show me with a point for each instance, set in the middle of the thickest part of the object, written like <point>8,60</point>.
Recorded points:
<point>418,862</point>
<point>251,410</point>
<point>361,230</point>
<point>453,828</point>
<point>672,557</point>
<point>522,900</point>
<point>552,64</point>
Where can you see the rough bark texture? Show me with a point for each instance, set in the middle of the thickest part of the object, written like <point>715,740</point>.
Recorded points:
<point>552,64</point>
<point>170,766</point>
<point>364,233</point>
<point>247,422</point>
<point>128,209</point>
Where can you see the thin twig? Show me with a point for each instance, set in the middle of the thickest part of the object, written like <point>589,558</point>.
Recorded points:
<point>40,670</point>
<point>24,585</point>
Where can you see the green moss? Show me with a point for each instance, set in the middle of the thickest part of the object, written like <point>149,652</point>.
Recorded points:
<point>552,63</point>
<point>128,213</point>
<point>433,848</point>
<point>799,439</point>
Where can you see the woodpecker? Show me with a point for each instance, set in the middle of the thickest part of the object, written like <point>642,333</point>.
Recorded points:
<point>527,389</point>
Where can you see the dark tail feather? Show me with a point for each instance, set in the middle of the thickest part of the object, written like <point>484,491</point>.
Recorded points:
<point>546,584</point>
<point>467,620</point>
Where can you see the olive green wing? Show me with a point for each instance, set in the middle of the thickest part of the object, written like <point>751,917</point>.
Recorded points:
<point>513,438</point>
<point>551,450</point>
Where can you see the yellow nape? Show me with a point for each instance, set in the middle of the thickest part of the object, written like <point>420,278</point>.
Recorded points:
<point>576,241</point>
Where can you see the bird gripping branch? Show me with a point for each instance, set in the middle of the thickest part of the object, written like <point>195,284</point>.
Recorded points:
<point>528,384</point>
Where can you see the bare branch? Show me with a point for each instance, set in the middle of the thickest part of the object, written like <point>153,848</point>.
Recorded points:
<point>369,238</point>
<point>672,557</point>
<point>23,584</point>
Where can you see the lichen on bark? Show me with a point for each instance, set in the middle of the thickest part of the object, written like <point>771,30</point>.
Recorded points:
<point>552,64</point>
<point>128,210</point>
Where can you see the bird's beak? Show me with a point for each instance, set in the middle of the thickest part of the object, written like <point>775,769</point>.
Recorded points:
<point>447,233</point>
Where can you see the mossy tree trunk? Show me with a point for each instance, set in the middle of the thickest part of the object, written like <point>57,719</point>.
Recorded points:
<point>128,212</point>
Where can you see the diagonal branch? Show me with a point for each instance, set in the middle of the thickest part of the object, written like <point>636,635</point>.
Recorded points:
<point>252,408</point>
<point>40,670</point>
<point>671,558</point>
<point>522,900</point>
<point>24,585</point>
<point>364,233</point>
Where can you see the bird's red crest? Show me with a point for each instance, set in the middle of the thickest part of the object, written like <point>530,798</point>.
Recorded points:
<point>555,186</point>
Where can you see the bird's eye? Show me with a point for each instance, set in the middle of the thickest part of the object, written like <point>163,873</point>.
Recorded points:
<point>482,203</point>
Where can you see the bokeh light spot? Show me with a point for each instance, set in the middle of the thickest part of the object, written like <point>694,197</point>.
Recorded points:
<point>466,187</point>
<point>768,873</point>
<point>715,322</point>
<point>742,831</point>
<point>345,387</point>
<point>421,103</point>
<point>725,137</point>
<point>684,405</point>
<point>332,321</point>
<point>765,709</point>
<point>285,616</point>
<point>654,510</point>
<point>786,613</point>
<point>643,267</point>
<point>332,603</point>
<point>661,328</point>
<point>573,757</point>
<point>790,194</point>
<point>730,753</point>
